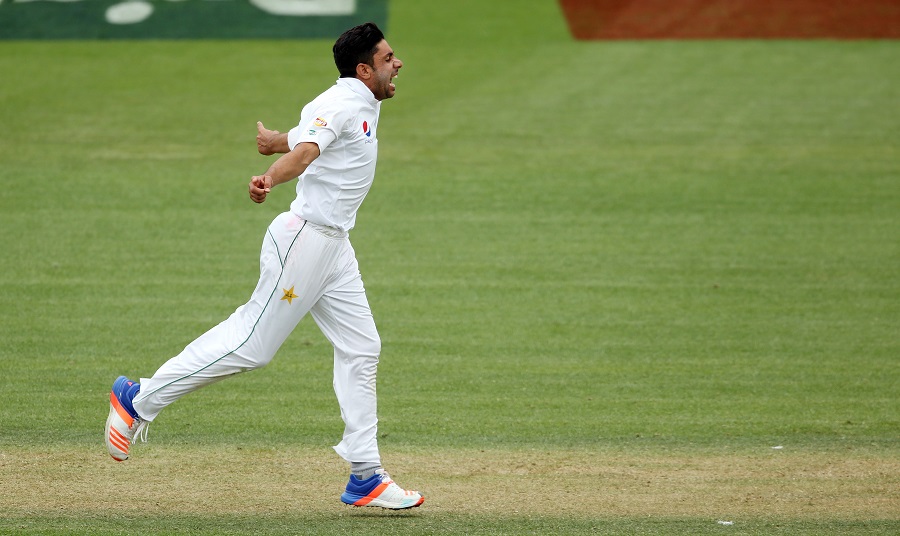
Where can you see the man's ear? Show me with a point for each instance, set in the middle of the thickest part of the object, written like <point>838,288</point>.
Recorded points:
<point>363,71</point>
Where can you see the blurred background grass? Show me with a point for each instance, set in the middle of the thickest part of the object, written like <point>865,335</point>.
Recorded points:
<point>681,245</point>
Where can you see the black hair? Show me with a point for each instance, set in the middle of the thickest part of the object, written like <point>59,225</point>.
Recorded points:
<point>356,45</point>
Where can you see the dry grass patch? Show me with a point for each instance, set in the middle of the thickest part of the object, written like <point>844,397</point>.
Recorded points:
<point>579,483</point>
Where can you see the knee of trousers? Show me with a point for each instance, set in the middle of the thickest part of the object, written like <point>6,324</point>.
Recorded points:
<point>368,349</point>
<point>371,348</point>
<point>251,358</point>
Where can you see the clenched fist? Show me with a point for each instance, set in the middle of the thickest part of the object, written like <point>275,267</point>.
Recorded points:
<point>260,186</point>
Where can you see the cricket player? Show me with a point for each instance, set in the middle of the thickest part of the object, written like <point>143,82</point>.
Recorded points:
<point>307,265</point>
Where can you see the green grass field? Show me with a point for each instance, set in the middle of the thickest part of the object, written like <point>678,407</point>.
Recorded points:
<point>609,278</point>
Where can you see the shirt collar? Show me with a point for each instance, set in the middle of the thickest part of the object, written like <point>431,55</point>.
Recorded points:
<point>357,86</point>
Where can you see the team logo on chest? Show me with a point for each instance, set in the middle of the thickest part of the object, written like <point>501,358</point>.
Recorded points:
<point>366,130</point>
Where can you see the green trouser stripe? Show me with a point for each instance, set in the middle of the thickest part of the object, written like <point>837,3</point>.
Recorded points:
<point>251,331</point>
<point>280,260</point>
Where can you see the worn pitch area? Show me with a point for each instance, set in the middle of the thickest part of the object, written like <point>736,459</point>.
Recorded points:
<point>577,483</point>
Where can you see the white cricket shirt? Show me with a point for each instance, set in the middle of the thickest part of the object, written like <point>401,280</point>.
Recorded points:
<point>343,121</point>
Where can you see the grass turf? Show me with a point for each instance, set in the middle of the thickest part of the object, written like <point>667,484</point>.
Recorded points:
<point>681,247</point>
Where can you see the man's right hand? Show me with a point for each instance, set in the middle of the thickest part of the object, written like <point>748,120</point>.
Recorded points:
<point>260,186</point>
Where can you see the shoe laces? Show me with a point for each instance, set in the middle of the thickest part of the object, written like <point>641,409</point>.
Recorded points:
<point>141,432</point>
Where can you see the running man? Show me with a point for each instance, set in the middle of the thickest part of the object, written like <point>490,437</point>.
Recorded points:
<point>307,265</point>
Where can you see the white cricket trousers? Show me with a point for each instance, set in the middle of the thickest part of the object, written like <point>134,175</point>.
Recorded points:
<point>304,267</point>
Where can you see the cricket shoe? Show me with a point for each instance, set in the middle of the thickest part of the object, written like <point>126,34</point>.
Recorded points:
<point>123,425</point>
<point>379,490</point>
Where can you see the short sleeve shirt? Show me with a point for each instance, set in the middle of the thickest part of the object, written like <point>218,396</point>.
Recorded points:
<point>343,122</point>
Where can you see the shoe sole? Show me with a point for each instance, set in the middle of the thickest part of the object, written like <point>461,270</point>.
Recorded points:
<point>116,443</point>
<point>113,435</point>
<point>354,501</point>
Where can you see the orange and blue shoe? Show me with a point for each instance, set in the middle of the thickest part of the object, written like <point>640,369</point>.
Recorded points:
<point>379,490</point>
<point>123,423</point>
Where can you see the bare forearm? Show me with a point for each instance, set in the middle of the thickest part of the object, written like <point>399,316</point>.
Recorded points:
<point>293,163</point>
<point>287,167</point>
